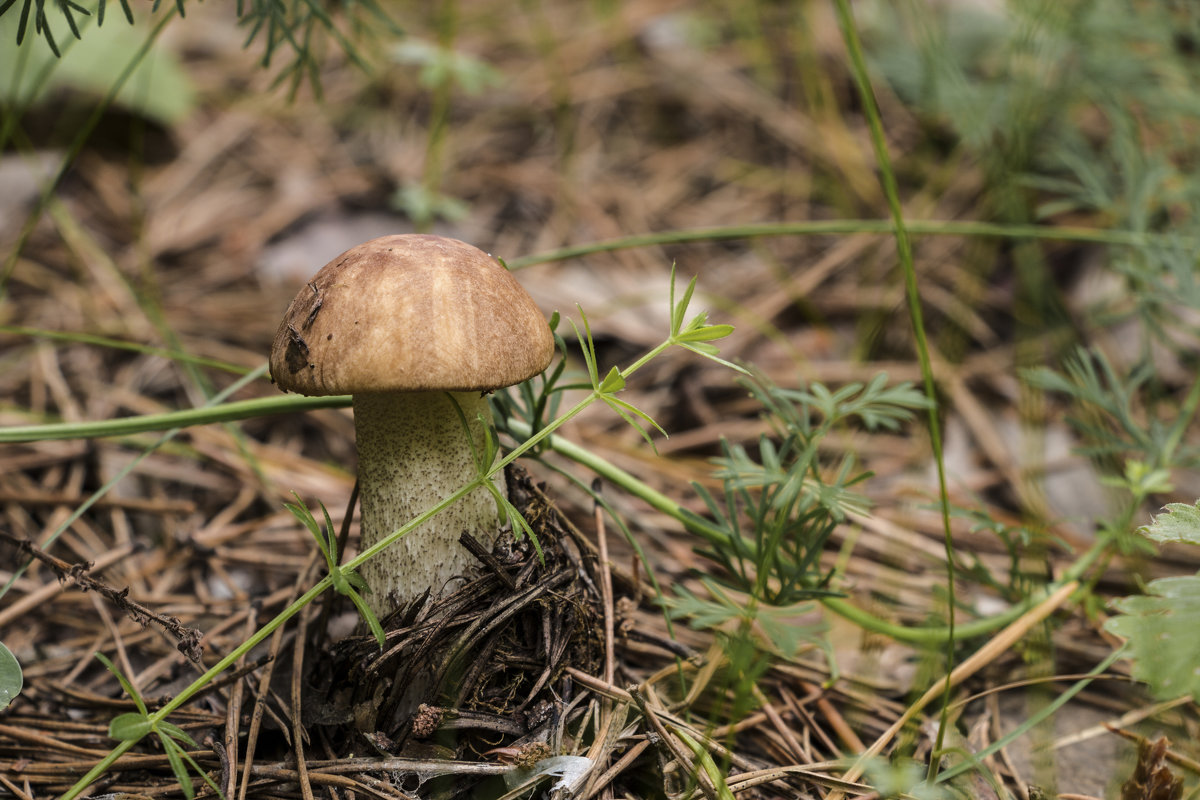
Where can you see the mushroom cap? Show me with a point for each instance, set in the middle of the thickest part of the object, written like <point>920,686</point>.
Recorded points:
<point>410,312</point>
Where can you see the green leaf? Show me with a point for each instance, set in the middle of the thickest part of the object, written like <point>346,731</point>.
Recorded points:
<point>787,628</point>
<point>158,89</point>
<point>613,382</point>
<point>679,310</point>
<point>587,346</point>
<point>1180,524</point>
<point>129,727</point>
<point>706,762</point>
<point>711,353</point>
<point>1160,627</point>
<point>705,333</point>
<point>203,775</point>
<point>174,757</point>
<point>125,684</point>
<point>366,613</point>
<point>703,614</point>
<point>630,413</point>
<point>355,580</point>
<point>177,733</point>
<point>344,581</point>
<point>11,677</point>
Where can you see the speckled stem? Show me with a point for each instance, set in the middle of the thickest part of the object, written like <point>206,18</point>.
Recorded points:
<point>412,453</point>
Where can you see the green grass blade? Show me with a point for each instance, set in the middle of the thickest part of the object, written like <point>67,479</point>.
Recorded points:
<point>904,250</point>
<point>174,420</point>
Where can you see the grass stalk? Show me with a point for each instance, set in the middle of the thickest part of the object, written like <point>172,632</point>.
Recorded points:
<point>858,67</point>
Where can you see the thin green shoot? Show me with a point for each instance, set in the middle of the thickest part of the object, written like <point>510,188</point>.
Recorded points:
<point>882,227</point>
<point>345,581</point>
<point>858,67</point>
<point>135,725</point>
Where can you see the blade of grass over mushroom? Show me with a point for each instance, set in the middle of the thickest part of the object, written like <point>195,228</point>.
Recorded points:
<point>1061,233</point>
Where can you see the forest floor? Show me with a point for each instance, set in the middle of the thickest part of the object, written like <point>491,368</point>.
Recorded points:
<point>185,239</point>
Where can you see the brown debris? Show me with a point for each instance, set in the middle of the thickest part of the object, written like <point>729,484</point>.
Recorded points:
<point>1152,778</point>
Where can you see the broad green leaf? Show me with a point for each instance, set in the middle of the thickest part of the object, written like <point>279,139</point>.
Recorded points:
<point>11,677</point>
<point>1160,627</point>
<point>1180,524</point>
<point>129,727</point>
<point>159,88</point>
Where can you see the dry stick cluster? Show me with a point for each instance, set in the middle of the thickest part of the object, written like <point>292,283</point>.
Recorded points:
<point>76,574</point>
<point>627,725</point>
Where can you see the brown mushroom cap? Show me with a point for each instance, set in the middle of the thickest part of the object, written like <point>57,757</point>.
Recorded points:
<point>410,313</point>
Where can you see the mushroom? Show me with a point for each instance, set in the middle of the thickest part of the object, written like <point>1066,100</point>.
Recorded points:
<point>412,325</point>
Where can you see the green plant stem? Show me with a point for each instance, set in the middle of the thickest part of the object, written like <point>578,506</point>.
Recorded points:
<point>75,337</point>
<point>843,227</point>
<point>127,426</point>
<point>904,251</point>
<point>292,404</point>
<point>171,432</point>
<point>216,669</point>
<point>232,657</point>
<point>933,635</point>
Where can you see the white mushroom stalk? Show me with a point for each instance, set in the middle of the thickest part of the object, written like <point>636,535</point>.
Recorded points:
<point>412,454</point>
<point>411,325</point>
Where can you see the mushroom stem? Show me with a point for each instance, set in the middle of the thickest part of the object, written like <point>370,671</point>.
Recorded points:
<point>412,454</point>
